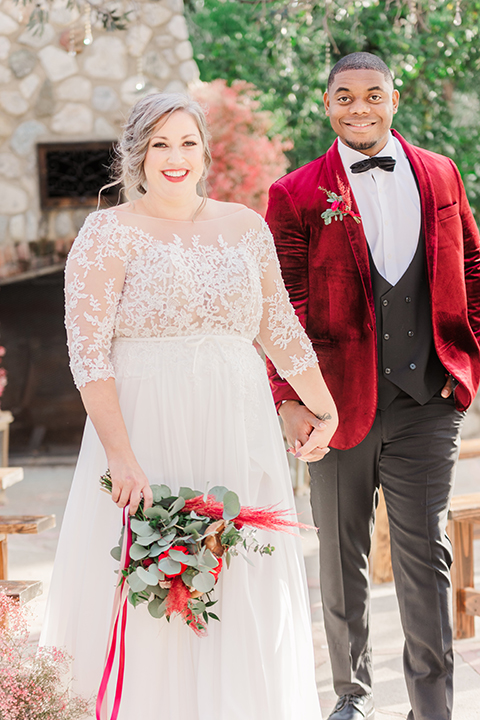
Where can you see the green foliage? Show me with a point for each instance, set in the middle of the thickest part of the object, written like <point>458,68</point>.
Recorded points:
<point>286,48</point>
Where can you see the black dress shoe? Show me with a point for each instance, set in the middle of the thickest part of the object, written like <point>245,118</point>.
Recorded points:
<point>353,707</point>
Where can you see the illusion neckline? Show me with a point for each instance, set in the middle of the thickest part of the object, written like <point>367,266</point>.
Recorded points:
<point>117,212</point>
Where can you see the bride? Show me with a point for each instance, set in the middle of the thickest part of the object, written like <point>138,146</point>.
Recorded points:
<point>164,296</point>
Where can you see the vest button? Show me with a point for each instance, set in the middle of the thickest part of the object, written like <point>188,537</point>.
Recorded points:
<point>413,366</point>
<point>384,303</point>
<point>410,333</point>
<point>408,299</point>
<point>386,336</point>
<point>387,371</point>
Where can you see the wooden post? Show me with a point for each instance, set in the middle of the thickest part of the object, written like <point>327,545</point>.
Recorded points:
<point>3,557</point>
<point>462,572</point>
<point>6,418</point>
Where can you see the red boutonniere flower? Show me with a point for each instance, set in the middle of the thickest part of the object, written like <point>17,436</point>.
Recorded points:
<point>339,208</point>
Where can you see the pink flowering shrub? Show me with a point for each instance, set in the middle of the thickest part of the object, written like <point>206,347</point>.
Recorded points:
<point>32,686</point>
<point>245,160</point>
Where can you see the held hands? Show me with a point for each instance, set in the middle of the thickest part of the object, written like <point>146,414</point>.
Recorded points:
<point>307,435</point>
<point>129,485</point>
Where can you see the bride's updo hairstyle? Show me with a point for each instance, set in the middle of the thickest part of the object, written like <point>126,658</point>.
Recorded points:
<point>144,118</point>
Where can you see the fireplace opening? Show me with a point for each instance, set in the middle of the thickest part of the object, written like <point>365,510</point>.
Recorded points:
<point>71,174</point>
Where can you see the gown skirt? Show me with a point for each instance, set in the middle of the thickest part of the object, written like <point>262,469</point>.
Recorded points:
<point>199,413</point>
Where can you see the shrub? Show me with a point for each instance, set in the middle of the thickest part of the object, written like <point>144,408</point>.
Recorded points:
<point>246,160</point>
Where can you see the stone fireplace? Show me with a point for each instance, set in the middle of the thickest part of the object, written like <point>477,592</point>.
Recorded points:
<point>55,92</point>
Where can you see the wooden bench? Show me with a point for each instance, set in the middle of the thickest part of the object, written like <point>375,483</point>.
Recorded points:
<point>22,591</point>
<point>10,476</point>
<point>20,524</point>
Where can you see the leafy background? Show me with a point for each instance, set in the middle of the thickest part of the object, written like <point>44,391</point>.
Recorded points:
<point>286,48</point>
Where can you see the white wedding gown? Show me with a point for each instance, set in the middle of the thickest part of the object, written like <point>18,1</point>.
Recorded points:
<point>170,309</point>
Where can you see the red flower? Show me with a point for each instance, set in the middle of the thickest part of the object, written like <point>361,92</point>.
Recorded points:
<point>147,562</point>
<point>336,204</point>
<point>216,570</point>
<point>180,548</point>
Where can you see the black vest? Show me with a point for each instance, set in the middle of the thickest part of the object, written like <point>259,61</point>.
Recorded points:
<point>407,359</point>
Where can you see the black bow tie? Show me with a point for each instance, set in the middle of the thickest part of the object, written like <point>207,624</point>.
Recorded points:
<point>386,163</point>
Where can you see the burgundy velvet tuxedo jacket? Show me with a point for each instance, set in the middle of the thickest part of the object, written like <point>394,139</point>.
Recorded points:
<point>327,274</point>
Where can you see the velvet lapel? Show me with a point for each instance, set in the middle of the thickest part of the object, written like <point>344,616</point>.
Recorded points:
<point>338,183</point>
<point>429,206</point>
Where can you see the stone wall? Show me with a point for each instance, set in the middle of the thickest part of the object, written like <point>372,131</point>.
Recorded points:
<point>48,94</point>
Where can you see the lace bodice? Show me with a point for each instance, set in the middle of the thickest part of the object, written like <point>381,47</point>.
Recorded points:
<point>141,277</point>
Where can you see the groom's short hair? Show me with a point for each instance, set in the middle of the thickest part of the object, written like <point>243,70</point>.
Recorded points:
<point>360,61</point>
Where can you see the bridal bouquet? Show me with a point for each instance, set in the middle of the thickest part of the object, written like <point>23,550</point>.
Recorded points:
<point>171,556</point>
<point>175,550</point>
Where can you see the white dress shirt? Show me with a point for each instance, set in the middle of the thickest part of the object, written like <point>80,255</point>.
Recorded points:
<point>389,205</point>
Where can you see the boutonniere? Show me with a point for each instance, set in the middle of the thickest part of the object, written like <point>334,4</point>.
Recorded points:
<point>339,208</point>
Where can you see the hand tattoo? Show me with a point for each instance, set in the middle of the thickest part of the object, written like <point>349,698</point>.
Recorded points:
<point>325,416</point>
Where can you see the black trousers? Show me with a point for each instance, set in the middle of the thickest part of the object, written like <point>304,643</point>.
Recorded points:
<point>411,451</point>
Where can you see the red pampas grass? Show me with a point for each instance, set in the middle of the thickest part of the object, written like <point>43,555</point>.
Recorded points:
<point>177,602</point>
<point>264,518</point>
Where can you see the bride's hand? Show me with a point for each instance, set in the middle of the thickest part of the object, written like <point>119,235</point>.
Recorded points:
<point>129,485</point>
<point>316,447</point>
<point>307,434</point>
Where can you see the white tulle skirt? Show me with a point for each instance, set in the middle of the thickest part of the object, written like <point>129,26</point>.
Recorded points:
<point>199,413</point>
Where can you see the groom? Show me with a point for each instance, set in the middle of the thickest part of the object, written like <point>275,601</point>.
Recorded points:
<point>380,255</point>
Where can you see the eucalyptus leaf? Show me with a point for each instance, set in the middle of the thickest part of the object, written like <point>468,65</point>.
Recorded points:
<point>158,574</point>
<point>198,607</point>
<point>176,506</point>
<point>219,492</point>
<point>187,493</point>
<point>157,512</point>
<point>167,538</point>
<point>136,598</point>
<point>188,574</point>
<point>160,592</point>
<point>172,522</point>
<point>203,582</point>
<point>169,566</point>
<point>116,553</point>
<point>195,525</point>
<point>136,583</point>
<point>182,558</point>
<point>141,527</point>
<point>231,505</point>
<point>155,550</point>
<point>160,492</point>
<point>148,540</point>
<point>137,552</point>
<point>146,577</point>
<point>209,560</point>
<point>157,607</point>
<point>246,558</point>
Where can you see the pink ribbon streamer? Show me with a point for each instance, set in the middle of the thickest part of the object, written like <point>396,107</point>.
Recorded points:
<point>120,604</point>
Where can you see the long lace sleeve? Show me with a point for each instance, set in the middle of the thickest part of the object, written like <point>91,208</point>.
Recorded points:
<point>94,278</point>
<point>281,334</point>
